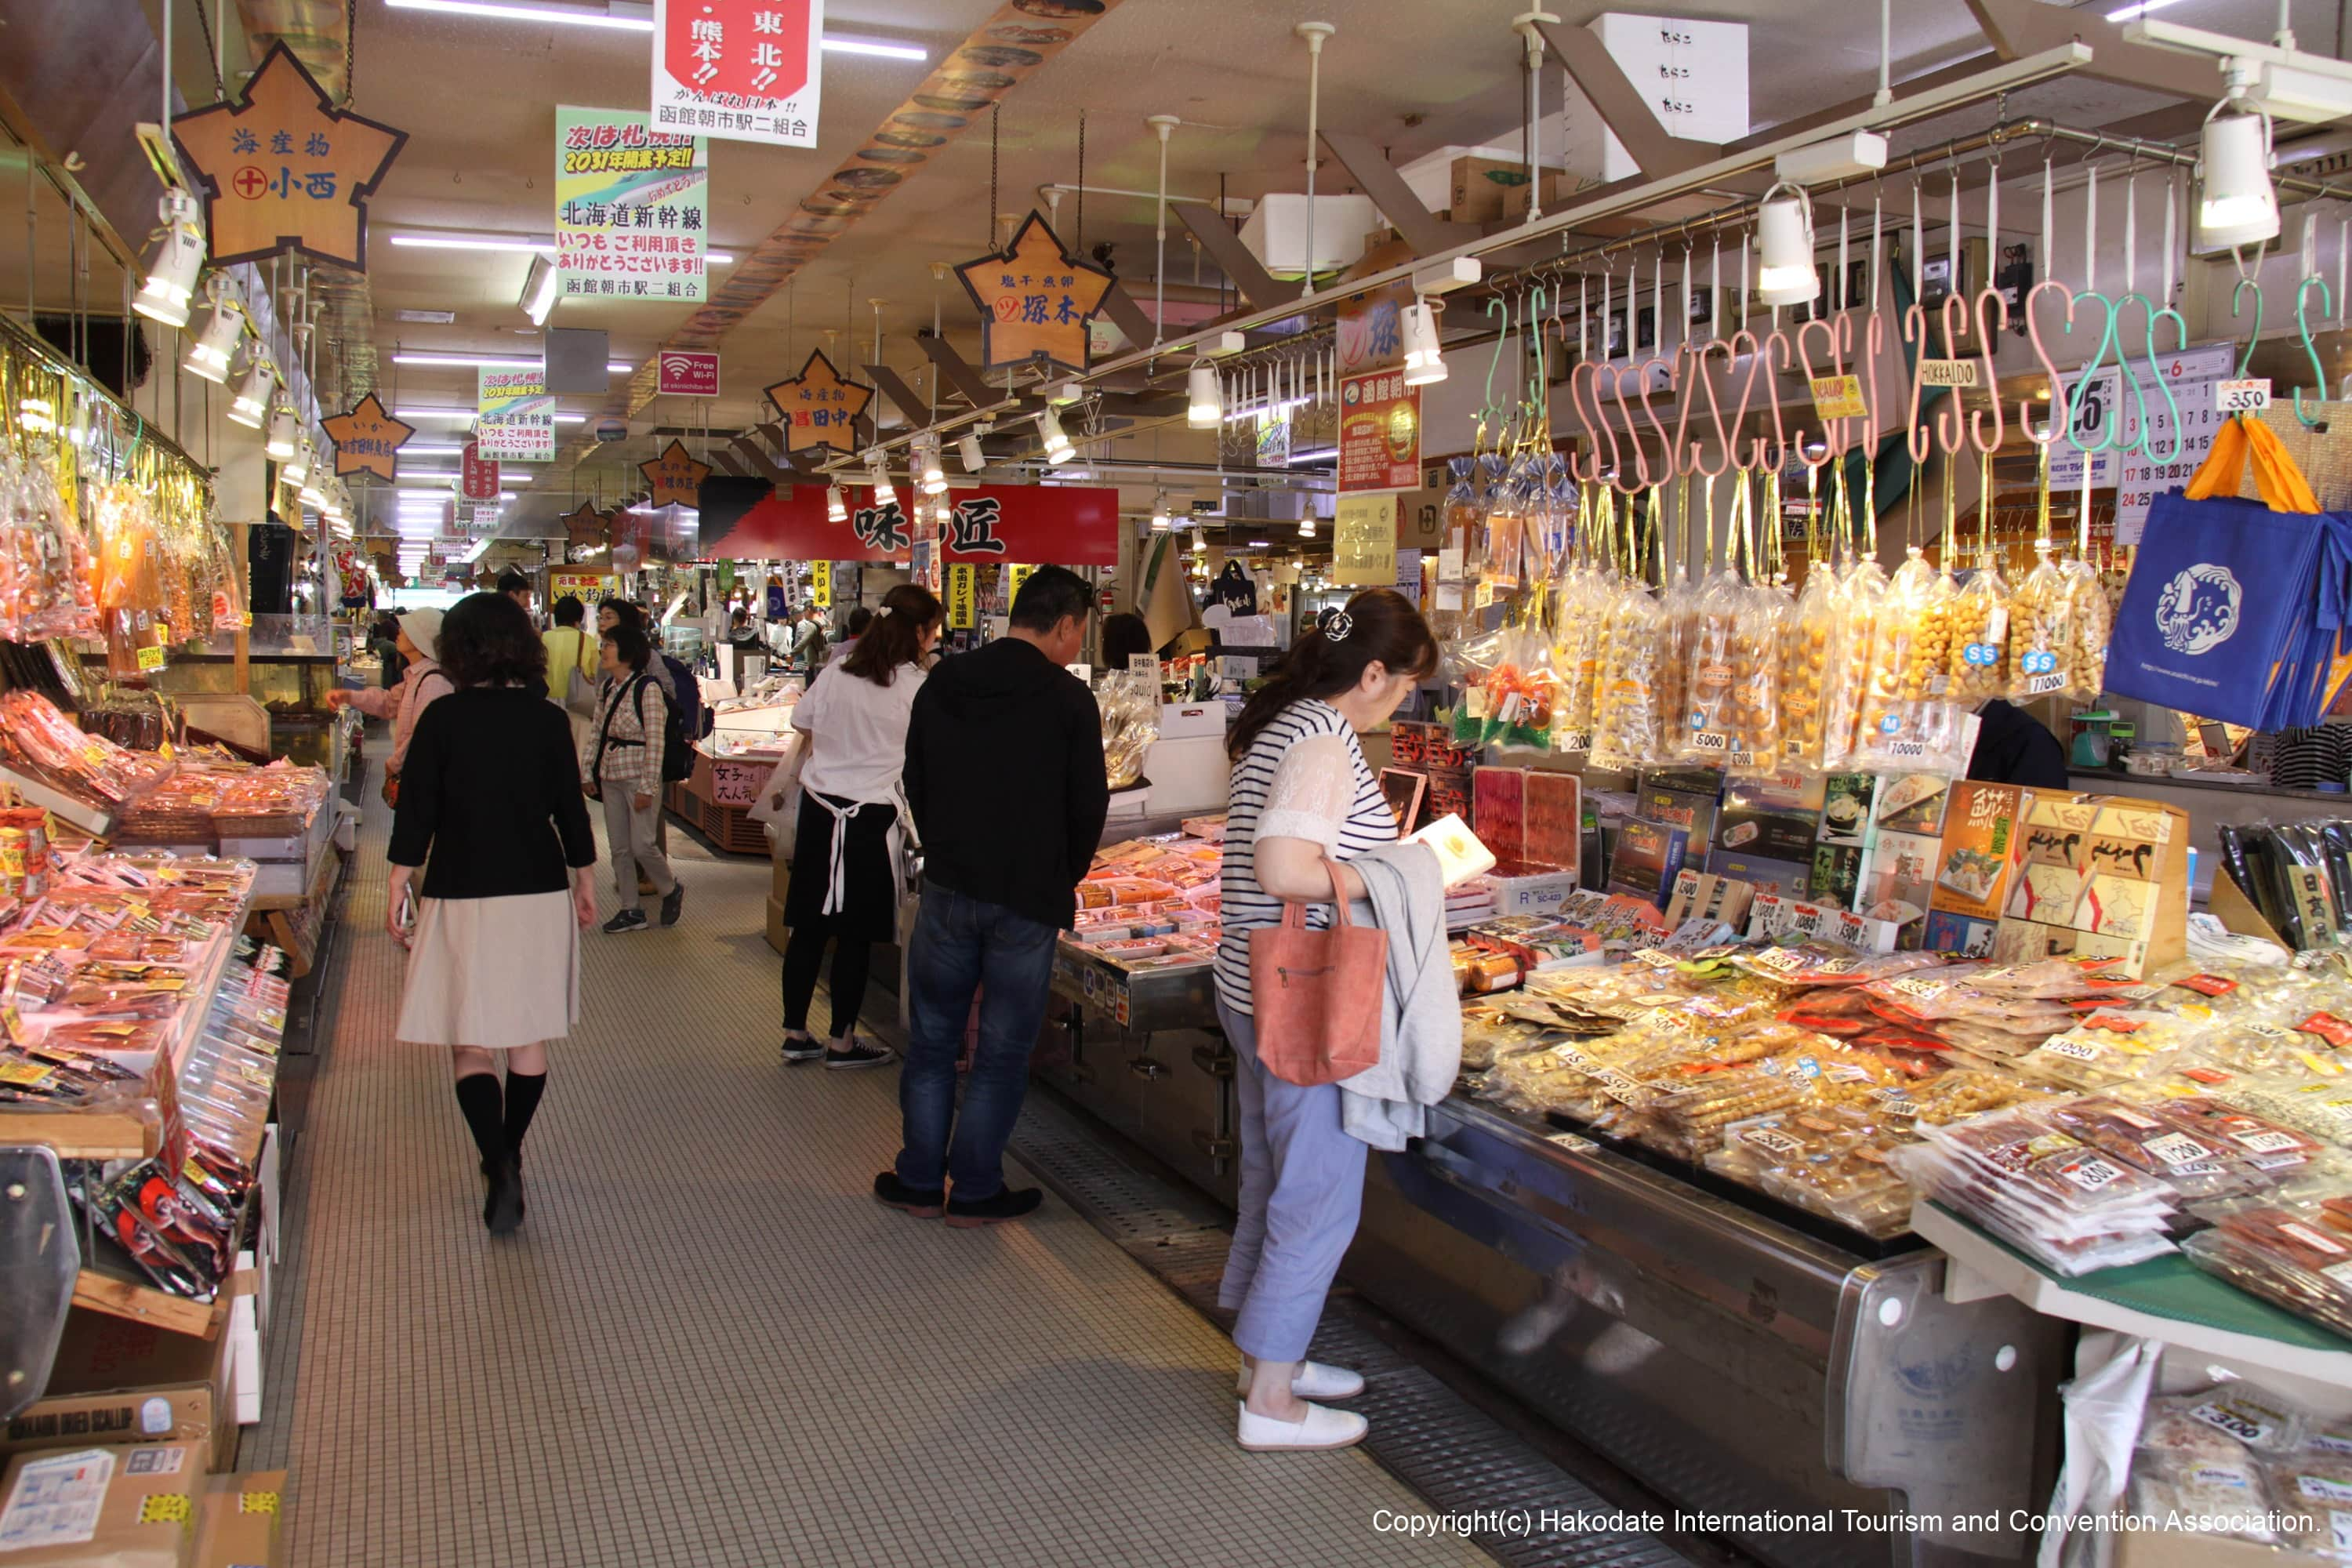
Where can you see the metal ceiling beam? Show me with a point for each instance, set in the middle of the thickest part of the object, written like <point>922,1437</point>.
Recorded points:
<point>2022,27</point>
<point>1622,106</point>
<point>1376,178</point>
<point>1233,257</point>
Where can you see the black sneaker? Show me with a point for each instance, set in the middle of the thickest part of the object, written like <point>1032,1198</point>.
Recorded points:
<point>1007,1204</point>
<point>801,1050</point>
<point>858,1055</point>
<point>913,1200</point>
<point>673,902</point>
<point>503,1213</point>
<point>625,922</point>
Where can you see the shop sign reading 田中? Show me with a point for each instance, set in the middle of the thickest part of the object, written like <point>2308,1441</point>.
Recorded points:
<point>747,71</point>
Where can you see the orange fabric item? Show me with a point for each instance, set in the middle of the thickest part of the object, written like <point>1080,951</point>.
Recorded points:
<point>1315,996</point>
<point>2276,478</point>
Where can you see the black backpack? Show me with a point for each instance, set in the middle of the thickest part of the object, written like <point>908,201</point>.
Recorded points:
<point>677,748</point>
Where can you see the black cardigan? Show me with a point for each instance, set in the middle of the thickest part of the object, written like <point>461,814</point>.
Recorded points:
<point>490,786</point>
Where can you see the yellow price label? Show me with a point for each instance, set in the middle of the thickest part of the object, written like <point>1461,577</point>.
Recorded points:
<point>1839,397</point>
<point>151,659</point>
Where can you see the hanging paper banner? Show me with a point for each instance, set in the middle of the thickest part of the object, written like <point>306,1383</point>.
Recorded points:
<point>1034,299</point>
<point>686,372</point>
<point>1380,433</point>
<point>821,584</point>
<point>515,417</point>
<point>820,409</point>
<point>630,206</point>
<point>674,478</point>
<point>367,439</point>
<point>963,592</point>
<point>478,476</point>
<point>1067,525</point>
<point>744,70</point>
<point>282,169</point>
<point>1364,541</point>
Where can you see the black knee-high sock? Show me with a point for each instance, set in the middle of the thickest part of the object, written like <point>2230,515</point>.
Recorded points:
<point>523,1090</point>
<point>478,1097</point>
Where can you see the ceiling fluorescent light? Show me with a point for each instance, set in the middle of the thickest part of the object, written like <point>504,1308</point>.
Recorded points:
<point>1848,157</point>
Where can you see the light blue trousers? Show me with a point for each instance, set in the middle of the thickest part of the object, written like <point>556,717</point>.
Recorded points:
<point>1302,1191</point>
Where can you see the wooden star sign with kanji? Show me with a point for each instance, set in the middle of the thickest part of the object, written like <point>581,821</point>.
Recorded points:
<point>584,527</point>
<point>368,440</point>
<point>283,169</point>
<point>1034,299</point>
<point>820,409</point>
<point>675,476</point>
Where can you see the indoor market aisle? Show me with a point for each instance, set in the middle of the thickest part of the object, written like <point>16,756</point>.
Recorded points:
<point>709,1344</point>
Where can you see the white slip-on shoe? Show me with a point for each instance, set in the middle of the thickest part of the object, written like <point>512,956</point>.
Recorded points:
<point>1322,1429</point>
<point>1313,1380</point>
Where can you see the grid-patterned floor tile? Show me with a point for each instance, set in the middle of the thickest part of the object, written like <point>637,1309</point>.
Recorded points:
<point>708,1345</point>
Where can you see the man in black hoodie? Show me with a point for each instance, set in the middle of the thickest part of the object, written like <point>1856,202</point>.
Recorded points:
<point>1004,776</point>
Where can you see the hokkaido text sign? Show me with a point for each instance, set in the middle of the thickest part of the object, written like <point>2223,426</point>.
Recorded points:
<point>631,205</point>
<point>744,69</point>
<point>1064,525</point>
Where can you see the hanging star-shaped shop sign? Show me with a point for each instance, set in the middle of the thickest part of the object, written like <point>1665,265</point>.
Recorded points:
<point>820,409</point>
<point>367,440</point>
<point>283,169</point>
<point>675,476</point>
<point>1034,300</point>
<point>584,527</point>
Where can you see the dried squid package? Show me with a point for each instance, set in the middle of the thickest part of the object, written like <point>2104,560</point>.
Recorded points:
<point>2042,632</point>
<point>1759,632</point>
<point>1707,730</point>
<point>1904,711</point>
<point>1626,730</point>
<point>1978,661</point>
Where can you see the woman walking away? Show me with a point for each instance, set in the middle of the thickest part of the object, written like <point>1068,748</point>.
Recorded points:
<point>489,805</point>
<point>421,684</point>
<point>845,887</point>
<point>623,767</point>
<point>1301,792</point>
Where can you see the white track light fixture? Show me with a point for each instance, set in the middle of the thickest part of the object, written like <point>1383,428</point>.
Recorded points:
<point>836,505</point>
<point>2237,205</point>
<point>975,459</point>
<point>878,470</point>
<point>935,475</point>
<point>1058,450</point>
<point>216,346</point>
<point>1784,244</point>
<point>1425,361</point>
<point>280,444</point>
<point>251,405</point>
<point>179,260</point>
<point>1205,401</point>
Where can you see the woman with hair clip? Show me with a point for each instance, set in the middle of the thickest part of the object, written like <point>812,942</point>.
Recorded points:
<point>845,887</point>
<point>1303,799</point>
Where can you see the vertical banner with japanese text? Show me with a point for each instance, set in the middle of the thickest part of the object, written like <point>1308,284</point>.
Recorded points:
<point>631,206</point>
<point>744,70</point>
<point>515,417</point>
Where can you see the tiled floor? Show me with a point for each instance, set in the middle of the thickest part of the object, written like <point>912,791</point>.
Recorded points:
<point>708,1345</point>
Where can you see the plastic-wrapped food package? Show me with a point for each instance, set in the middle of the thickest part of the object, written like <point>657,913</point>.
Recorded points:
<point>2041,633</point>
<point>1978,661</point>
<point>1625,716</point>
<point>2090,620</point>
<point>1707,730</point>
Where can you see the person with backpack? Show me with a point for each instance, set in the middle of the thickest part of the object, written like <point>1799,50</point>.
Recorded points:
<point>628,756</point>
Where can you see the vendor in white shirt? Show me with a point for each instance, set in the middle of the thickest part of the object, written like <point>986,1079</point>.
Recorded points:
<point>845,887</point>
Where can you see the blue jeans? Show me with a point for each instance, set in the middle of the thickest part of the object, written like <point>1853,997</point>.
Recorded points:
<point>961,946</point>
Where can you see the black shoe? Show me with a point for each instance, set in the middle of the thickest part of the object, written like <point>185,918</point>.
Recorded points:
<point>1008,1204</point>
<point>503,1213</point>
<point>914,1200</point>
<point>673,902</point>
<point>625,922</point>
<point>858,1056</point>
<point>801,1050</point>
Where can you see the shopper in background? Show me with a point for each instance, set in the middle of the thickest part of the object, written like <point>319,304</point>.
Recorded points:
<point>1301,792</point>
<point>490,807</point>
<point>622,766</point>
<point>846,854</point>
<point>421,685</point>
<point>1004,776</point>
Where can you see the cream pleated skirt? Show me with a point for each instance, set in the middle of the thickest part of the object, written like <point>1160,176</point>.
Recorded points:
<point>492,972</point>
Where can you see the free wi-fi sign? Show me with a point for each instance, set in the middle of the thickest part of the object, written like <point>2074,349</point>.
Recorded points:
<point>687,373</point>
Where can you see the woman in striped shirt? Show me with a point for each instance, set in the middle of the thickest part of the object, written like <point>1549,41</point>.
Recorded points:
<point>1301,792</point>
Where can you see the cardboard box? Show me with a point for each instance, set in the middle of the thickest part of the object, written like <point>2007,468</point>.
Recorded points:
<point>145,1496</point>
<point>1476,188</point>
<point>240,1519</point>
